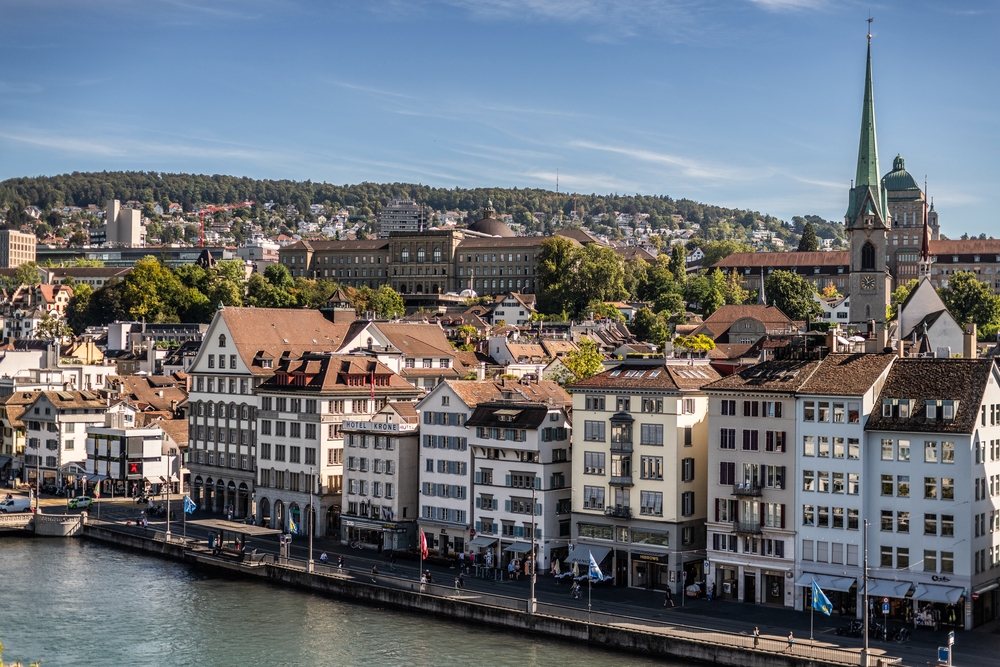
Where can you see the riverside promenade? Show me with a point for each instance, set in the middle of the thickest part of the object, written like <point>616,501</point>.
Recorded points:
<point>624,619</point>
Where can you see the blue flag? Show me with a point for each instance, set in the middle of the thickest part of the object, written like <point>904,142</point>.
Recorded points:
<point>189,506</point>
<point>819,600</point>
<point>595,571</point>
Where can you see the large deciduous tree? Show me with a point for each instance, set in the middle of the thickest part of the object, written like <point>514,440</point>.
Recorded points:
<point>584,361</point>
<point>971,300</point>
<point>791,294</point>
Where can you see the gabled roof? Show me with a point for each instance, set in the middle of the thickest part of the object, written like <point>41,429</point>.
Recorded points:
<point>272,331</point>
<point>72,399</point>
<point>725,317</point>
<point>508,415</point>
<point>962,380</point>
<point>580,235</point>
<point>784,376</point>
<point>346,246</point>
<point>847,374</point>
<point>416,339</point>
<point>927,321</point>
<point>472,393</point>
<point>330,373</point>
<point>632,253</point>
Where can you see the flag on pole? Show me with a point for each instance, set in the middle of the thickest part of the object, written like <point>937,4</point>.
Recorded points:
<point>189,505</point>
<point>423,545</point>
<point>819,600</point>
<point>595,571</point>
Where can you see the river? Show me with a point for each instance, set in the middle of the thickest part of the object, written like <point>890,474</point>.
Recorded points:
<point>74,603</point>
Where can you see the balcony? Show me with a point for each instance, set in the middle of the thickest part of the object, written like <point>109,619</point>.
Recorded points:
<point>619,512</point>
<point>747,489</point>
<point>746,528</point>
<point>621,481</point>
<point>621,447</point>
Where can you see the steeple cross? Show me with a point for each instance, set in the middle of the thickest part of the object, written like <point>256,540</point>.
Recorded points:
<point>870,19</point>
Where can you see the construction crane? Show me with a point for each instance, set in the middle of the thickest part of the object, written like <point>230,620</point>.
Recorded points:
<point>216,209</point>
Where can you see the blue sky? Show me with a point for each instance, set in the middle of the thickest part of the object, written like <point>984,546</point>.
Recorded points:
<point>744,103</point>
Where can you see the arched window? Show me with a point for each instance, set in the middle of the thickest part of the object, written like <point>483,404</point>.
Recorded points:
<point>404,255</point>
<point>437,254</point>
<point>868,256</point>
<point>245,412</point>
<point>420,255</point>
<point>222,340</point>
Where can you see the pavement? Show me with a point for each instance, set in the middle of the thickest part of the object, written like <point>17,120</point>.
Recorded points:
<point>976,647</point>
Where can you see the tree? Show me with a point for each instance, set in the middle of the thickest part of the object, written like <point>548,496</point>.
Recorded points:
<point>716,251</point>
<point>791,294</point>
<point>830,292</point>
<point>970,300</point>
<point>808,242</point>
<point>649,327</point>
<point>605,311</point>
<point>555,267</point>
<point>52,326</point>
<point>387,303</point>
<point>600,276</point>
<point>734,292</point>
<point>678,262</point>
<point>78,307</point>
<point>586,360</point>
<point>899,295</point>
<point>699,343</point>
<point>27,274</point>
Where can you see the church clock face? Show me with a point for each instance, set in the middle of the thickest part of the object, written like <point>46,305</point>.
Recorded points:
<point>868,283</point>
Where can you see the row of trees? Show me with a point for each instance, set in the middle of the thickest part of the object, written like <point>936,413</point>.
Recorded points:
<point>190,293</point>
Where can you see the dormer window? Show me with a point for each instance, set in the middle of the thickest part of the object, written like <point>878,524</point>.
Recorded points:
<point>222,340</point>
<point>265,363</point>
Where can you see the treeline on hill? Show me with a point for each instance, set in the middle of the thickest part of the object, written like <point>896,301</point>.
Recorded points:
<point>82,189</point>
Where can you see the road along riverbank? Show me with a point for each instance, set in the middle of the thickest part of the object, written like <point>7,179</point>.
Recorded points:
<point>623,633</point>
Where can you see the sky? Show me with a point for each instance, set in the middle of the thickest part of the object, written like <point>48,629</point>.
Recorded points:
<point>742,103</point>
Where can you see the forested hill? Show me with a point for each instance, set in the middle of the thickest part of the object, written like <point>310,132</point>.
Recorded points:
<point>81,189</point>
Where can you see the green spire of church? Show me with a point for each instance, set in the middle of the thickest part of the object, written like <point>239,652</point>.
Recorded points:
<point>868,195</point>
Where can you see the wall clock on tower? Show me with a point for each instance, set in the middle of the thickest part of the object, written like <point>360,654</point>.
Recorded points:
<point>868,283</point>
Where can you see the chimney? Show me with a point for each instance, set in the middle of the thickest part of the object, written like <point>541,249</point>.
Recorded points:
<point>831,340</point>
<point>481,371</point>
<point>969,349</point>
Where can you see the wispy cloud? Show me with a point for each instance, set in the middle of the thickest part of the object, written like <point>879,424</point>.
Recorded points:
<point>675,19</point>
<point>582,182</point>
<point>370,89</point>
<point>687,166</point>
<point>784,5</point>
<point>14,88</point>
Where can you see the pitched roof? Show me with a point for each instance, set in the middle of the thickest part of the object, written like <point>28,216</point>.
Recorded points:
<point>783,259</point>
<point>146,390</point>
<point>72,399</point>
<point>473,393</point>
<point>847,374</point>
<point>177,429</point>
<point>272,331</point>
<point>963,380</point>
<point>785,376</point>
<point>374,244</point>
<point>496,242</point>
<point>580,236</point>
<point>965,247</point>
<point>416,338</point>
<point>312,372</point>
<point>653,376</point>
<point>723,318</point>
<point>631,253</point>
<point>508,415</point>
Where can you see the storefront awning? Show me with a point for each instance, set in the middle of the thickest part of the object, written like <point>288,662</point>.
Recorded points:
<point>4,460</point>
<point>986,588</point>
<point>826,581</point>
<point>94,478</point>
<point>884,588</point>
<point>581,554</point>
<point>482,541</point>
<point>519,548</point>
<point>932,593</point>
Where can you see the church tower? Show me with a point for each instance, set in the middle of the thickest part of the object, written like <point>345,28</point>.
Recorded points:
<point>868,224</point>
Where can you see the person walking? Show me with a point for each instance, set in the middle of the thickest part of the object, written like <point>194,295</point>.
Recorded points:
<point>374,573</point>
<point>511,569</point>
<point>791,641</point>
<point>461,581</point>
<point>340,563</point>
<point>423,583</point>
<point>323,558</point>
<point>667,597</point>
<point>756,637</point>
<point>575,590</point>
<point>392,562</point>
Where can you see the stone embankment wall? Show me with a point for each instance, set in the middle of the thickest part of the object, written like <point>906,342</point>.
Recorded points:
<point>623,638</point>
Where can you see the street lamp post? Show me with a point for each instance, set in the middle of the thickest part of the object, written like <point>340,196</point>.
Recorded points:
<point>864,598</point>
<point>311,483</point>
<point>534,556</point>
<point>168,482</point>
<point>38,477</point>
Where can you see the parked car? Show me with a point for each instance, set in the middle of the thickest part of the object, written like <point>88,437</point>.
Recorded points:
<point>80,502</point>
<point>15,505</point>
